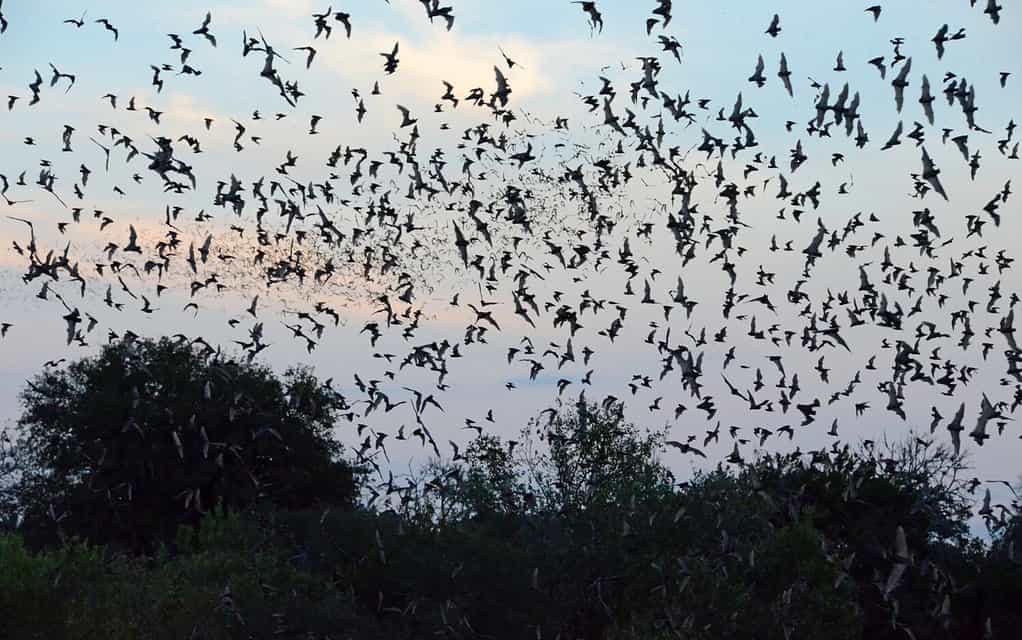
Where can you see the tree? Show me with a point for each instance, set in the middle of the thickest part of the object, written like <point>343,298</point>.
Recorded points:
<point>147,435</point>
<point>932,474</point>
<point>863,502</point>
<point>490,482</point>
<point>596,460</point>
<point>13,462</point>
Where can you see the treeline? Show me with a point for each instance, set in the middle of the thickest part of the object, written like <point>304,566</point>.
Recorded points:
<point>157,492</point>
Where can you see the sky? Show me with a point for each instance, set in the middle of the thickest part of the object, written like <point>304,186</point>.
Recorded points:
<point>559,59</point>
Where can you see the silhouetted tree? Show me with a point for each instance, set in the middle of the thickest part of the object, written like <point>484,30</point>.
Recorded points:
<point>595,459</point>
<point>147,435</point>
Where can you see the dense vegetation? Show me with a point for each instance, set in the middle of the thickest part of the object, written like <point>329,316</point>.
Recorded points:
<point>575,530</point>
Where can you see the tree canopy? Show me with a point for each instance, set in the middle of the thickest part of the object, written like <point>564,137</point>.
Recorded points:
<point>128,444</point>
<point>575,529</point>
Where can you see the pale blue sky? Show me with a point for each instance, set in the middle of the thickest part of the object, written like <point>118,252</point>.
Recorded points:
<point>558,56</point>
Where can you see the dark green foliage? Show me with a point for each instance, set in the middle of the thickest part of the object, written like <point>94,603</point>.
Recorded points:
<point>858,499</point>
<point>584,539</point>
<point>597,461</point>
<point>576,530</point>
<point>148,435</point>
<point>226,583</point>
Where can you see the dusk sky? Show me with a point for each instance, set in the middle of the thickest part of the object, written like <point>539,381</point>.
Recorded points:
<point>559,62</point>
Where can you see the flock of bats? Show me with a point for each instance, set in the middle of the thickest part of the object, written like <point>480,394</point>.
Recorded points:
<point>532,224</point>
